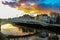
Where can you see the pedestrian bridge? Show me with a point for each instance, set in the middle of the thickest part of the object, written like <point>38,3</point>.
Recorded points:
<point>34,23</point>
<point>27,21</point>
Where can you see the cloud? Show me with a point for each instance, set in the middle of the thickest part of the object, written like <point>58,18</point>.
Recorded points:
<point>9,12</point>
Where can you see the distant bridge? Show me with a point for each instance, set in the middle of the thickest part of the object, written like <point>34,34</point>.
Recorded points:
<point>33,23</point>
<point>27,21</point>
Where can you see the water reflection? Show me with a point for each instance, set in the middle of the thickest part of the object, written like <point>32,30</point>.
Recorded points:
<point>39,38</point>
<point>9,29</point>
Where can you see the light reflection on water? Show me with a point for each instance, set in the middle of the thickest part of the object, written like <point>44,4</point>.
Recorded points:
<point>32,38</point>
<point>21,32</point>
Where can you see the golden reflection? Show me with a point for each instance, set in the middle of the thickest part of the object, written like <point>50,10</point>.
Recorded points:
<point>10,29</point>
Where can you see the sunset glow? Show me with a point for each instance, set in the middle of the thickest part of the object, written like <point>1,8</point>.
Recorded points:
<point>11,8</point>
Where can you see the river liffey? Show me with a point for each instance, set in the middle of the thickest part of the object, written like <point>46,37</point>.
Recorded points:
<point>15,32</point>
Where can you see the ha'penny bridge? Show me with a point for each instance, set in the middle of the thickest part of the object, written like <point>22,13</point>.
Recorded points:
<point>34,24</point>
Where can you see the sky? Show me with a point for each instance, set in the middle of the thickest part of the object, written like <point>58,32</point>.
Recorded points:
<point>49,4</point>
<point>9,12</point>
<point>42,3</point>
<point>54,5</point>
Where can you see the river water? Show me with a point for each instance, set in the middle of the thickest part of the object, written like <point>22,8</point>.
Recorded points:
<point>14,29</point>
<point>31,38</point>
